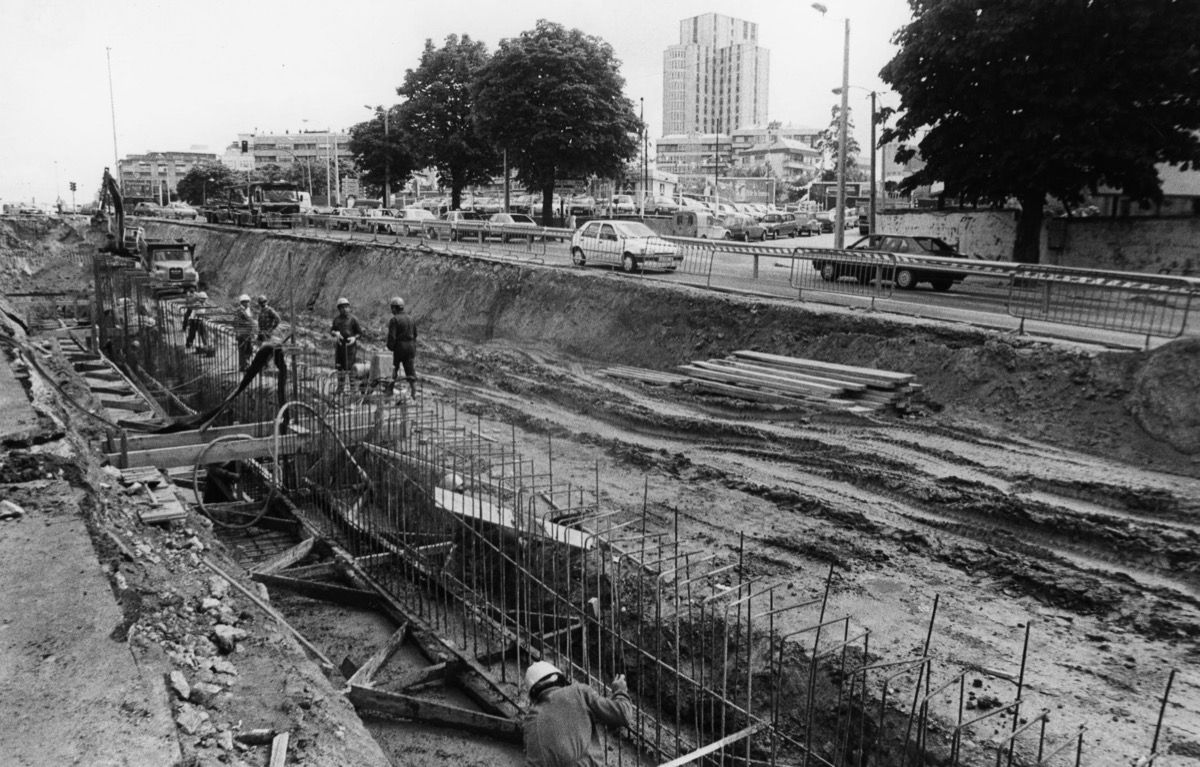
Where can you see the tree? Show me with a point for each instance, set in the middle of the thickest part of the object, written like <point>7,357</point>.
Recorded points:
<point>1029,98</point>
<point>380,155</point>
<point>830,139</point>
<point>194,188</point>
<point>436,117</point>
<point>553,99</point>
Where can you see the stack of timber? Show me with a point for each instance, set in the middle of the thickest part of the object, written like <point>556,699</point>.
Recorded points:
<point>807,384</point>
<point>653,377</point>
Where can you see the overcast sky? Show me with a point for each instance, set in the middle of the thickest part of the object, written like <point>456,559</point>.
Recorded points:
<point>191,75</point>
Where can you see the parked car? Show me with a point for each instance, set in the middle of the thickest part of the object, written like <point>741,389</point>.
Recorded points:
<point>904,276</point>
<point>807,225</point>
<point>739,226</point>
<point>629,244</point>
<point>512,226</point>
<point>182,211</point>
<point>661,206</point>
<point>149,209</point>
<point>781,225</point>
<point>410,221</point>
<point>623,204</point>
<point>455,224</point>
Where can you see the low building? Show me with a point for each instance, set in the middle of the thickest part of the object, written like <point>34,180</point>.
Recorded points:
<point>156,175</point>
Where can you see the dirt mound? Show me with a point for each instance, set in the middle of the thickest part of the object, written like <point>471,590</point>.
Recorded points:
<point>1138,407</point>
<point>51,255</point>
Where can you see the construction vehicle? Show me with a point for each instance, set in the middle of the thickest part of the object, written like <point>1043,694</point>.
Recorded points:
<point>259,204</point>
<point>171,265</point>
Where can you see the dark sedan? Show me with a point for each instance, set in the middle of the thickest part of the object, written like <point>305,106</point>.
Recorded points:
<point>904,276</point>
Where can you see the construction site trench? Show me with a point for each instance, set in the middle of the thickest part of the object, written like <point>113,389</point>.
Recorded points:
<point>1037,499</point>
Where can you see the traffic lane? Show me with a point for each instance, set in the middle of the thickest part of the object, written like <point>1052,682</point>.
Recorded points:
<point>776,275</point>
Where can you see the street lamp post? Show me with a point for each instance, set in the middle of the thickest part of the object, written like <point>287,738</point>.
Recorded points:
<point>387,158</point>
<point>839,232</point>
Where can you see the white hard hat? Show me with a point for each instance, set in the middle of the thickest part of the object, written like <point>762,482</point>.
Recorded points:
<point>397,301</point>
<point>343,302</point>
<point>538,672</point>
<point>243,297</point>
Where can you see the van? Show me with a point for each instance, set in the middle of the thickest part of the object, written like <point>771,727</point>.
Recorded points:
<point>694,223</point>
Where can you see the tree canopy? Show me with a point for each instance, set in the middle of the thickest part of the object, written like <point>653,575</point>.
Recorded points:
<point>1029,98</point>
<point>380,152</point>
<point>830,139</point>
<point>553,98</point>
<point>436,116</point>
<point>195,185</point>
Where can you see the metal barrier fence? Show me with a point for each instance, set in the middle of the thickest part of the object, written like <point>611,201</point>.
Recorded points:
<point>1142,304</point>
<point>1149,305</point>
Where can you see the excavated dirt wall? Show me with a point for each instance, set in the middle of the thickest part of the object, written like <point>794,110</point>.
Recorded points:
<point>1141,407</point>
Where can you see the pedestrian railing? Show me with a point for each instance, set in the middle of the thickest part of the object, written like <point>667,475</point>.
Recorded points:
<point>1146,304</point>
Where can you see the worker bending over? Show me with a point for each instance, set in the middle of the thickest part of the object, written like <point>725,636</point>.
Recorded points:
<point>561,729</point>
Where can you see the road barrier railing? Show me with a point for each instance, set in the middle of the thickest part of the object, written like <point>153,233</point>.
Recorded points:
<point>1145,304</point>
<point>849,272</point>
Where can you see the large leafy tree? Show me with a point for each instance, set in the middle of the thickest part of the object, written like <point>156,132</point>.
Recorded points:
<point>380,152</point>
<point>552,98</point>
<point>830,139</point>
<point>1029,98</point>
<point>436,117</point>
<point>195,186</point>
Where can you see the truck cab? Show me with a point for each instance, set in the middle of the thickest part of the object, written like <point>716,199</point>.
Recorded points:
<point>171,265</point>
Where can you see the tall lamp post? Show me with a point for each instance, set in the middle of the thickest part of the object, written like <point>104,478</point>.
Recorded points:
<point>387,158</point>
<point>839,231</point>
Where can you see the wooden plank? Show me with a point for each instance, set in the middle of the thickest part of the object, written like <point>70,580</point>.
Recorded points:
<point>438,672</point>
<point>198,437</point>
<point>845,383</point>
<point>239,450</point>
<point>391,705</point>
<point>716,745</point>
<point>326,592</point>
<point>132,405</point>
<point>782,382</point>
<point>367,671</point>
<point>279,749</point>
<point>747,383</point>
<point>755,395</point>
<point>806,364</point>
<point>287,558</point>
<point>314,572</point>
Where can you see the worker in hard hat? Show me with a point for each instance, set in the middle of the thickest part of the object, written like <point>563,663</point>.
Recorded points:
<point>346,330</point>
<point>243,331</point>
<point>562,726</point>
<point>268,319</point>
<point>402,342</point>
<point>193,320</point>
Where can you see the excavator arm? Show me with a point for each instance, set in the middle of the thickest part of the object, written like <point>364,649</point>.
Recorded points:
<point>109,191</point>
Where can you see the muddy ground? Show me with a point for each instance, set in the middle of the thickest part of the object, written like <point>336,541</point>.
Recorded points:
<point>1042,485</point>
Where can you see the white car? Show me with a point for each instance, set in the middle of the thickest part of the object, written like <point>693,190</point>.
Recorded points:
<point>182,211</point>
<point>630,244</point>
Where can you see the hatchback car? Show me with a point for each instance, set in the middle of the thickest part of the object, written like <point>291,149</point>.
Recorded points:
<point>904,276</point>
<point>456,224</point>
<point>630,244</point>
<point>743,227</point>
<point>182,211</point>
<point>781,225</point>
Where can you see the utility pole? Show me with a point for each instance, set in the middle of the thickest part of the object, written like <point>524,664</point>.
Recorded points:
<point>873,120</point>
<point>839,234</point>
<point>645,163</point>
